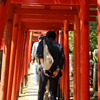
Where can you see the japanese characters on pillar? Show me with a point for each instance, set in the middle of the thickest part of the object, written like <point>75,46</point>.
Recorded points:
<point>57,32</point>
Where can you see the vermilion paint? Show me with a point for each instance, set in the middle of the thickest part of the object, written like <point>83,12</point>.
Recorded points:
<point>14,90</point>
<point>84,49</point>
<point>78,55</point>
<point>66,63</point>
<point>98,11</point>
<point>30,45</point>
<point>12,56</point>
<point>75,60</point>
<point>4,11</point>
<point>6,54</point>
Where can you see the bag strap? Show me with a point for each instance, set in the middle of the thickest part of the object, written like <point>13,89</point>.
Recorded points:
<point>43,42</point>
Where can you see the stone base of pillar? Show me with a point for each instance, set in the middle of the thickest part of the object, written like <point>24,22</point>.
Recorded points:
<point>25,80</point>
<point>21,88</point>
<point>17,95</point>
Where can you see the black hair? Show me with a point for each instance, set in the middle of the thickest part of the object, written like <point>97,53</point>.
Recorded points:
<point>40,36</point>
<point>51,34</point>
<point>44,37</point>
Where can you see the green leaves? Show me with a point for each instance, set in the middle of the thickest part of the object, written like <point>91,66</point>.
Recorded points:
<point>95,59</point>
<point>92,38</point>
<point>71,42</point>
<point>93,35</point>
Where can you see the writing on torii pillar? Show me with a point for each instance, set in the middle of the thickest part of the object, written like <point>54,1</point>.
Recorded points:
<point>85,22</point>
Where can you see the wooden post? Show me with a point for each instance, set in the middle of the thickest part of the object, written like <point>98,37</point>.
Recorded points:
<point>57,32</point>
<point>98,12</point>
<point>60,41</point>
<point>6,54</point>
<point>75,60</point>
<point>4,9</point>
<point>84,47</point>
<point>62,78</point>
<point>19,63</point>
<point>25,62</point>
<point>66,63</point>
<point>14,89</point>
<point>21,59</point>
<point>30,45</point>
<point>78,55</point>
<point>12,56</point>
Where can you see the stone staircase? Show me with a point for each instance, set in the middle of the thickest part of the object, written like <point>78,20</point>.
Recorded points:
<point>30,92</point>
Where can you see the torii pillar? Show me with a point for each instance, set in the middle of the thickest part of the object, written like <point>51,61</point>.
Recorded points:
<point>14,89</point>
<point>75,59</point>
<point>77,56</point>
<point>23,63</point>
<point>12,56</point>
<point>30,45</point>
<point>26,60</point>
<point>84,49</point>
<point>19,63</point>
<point>6,54</point>
<point>26,72</point>
<point>61,41</point>
<point>57,32</point>
<point>98,12</point>
<point>66,63</point>
<point>4,8</point>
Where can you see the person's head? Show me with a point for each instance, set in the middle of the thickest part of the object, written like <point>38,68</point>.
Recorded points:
<point>40,37</point>
<point>44,37</point>
<point>51,35</point>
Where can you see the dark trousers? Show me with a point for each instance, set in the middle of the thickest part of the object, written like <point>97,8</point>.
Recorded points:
<point>53,87</point>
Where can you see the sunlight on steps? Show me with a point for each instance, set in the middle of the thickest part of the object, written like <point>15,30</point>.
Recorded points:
<point>30,92</point>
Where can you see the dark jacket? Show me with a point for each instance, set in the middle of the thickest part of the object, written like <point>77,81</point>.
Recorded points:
<point>56,51</point>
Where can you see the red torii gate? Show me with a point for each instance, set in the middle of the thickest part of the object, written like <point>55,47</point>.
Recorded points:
<point>81,22</point>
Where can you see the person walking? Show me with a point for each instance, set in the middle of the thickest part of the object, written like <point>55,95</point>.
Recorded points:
<point>34,57</point>
<point>56,50</point>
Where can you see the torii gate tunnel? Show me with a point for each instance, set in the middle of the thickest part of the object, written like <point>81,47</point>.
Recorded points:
<point>19,18</point>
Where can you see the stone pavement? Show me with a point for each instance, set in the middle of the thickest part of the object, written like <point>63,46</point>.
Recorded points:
<point>30,92</point>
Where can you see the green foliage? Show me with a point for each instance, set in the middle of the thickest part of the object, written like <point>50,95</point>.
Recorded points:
<point>71,42</point>
<point>93,9</point>
<point>92,37</point>
<point>95,59</point>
